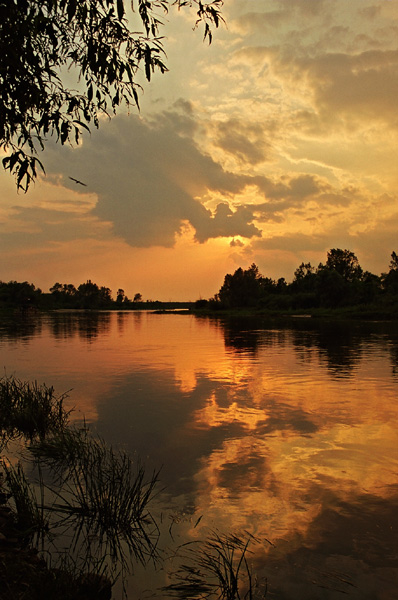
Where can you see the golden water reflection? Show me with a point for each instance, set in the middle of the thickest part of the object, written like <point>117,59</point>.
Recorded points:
<point>287,431</point>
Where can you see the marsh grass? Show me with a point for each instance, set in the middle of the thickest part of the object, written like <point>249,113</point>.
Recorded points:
<point>30,516</point>
<point>216,568</point>
<point>29,410</point>
<point>100,498</point>
<point>82,503</point>
<point>86,507</point>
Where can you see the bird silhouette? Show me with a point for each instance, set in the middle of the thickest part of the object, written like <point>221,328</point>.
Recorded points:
<point>77,181</point>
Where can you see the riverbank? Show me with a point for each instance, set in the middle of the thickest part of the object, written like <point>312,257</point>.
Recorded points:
<point>358,312</point>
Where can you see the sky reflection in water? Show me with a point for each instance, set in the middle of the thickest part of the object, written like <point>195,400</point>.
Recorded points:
<point>289,432</point>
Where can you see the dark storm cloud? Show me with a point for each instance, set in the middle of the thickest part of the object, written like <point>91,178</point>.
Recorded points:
<point>147,176</point>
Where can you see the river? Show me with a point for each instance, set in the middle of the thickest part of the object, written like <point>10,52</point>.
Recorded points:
<point>286,430</point>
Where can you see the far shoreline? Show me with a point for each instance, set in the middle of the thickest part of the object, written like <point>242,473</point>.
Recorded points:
<point>364,312</point>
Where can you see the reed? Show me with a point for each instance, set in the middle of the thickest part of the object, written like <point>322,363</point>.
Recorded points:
<point>89,505</point>
<point>31,520</point>
<point>215,568</point>
<point>82,500</point>
<point>29,410</point>
<point>102,497</point>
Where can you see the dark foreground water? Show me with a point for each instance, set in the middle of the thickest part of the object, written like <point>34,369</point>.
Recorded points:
<point>286,430</point>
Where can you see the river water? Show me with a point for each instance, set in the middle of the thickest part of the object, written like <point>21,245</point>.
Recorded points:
<point>286,430</point>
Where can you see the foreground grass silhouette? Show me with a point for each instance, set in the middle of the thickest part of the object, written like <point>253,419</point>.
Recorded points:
<point>78,488</point>
<point>75,514</point>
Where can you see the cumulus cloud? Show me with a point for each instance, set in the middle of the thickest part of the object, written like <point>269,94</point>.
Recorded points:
<point>149,177</point>
<point>363,85</point>
<point>226,223</point>
<point>236,243</point>
<point>342,67</point>
<point>292,188</point>
<point>242,139</point>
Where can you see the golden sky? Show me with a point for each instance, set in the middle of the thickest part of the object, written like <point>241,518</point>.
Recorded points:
<point>272,145</point>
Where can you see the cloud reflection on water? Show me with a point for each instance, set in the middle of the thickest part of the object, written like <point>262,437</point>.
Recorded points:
<point>288,432</point>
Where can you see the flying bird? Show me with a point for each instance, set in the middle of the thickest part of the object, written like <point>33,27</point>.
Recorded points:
<point>77,181</point>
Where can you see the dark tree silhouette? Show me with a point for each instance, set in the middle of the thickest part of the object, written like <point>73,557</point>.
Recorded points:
<point>345,263</point>
<point>41,39</point>
<point>120,296</point>
<point>90,295</point>
<point>340,282</point>
<point>21,295</point>
<point>394,261</point>
<point>331,287</point>
<point>304,276</point>
<point>243,288</point>
<point>390,279</point>
<point>64,294</point>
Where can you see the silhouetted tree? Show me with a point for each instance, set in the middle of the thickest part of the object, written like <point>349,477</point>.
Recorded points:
<point>21,295</point>
<point>243,288</point>
<point>137,297</point>
<point>368,288</point>
<point>304,278</point>
<point>120,296</point>
<point>105,295</point>
<point>345,263</point>
<point>281,285</point>
<point>40,40</point>
<point>331,287</point>
<point>69,289</point>
<point>64,294</point>
<point>390,280</point>
<point>304,287</point>
<point>56,288</point>
<point>394,261</point>
<point>89,295</point>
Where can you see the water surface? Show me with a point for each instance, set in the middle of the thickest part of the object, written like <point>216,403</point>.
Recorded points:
<point>286,430</point>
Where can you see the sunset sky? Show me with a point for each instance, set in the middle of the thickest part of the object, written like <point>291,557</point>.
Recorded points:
<point>272,145</point>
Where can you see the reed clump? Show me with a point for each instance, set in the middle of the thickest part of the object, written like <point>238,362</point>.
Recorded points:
<point>29,410</point>
<point>215,568</point>
<point>85,507</point>
<point>101,494</point>
<point>31,520</point>
<point>83,504</point>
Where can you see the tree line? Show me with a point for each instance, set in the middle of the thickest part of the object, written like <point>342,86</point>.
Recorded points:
<point>87,295</point>
<point>340,282</point>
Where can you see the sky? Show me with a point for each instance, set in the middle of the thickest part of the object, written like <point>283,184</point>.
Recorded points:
<point>274,144</point>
